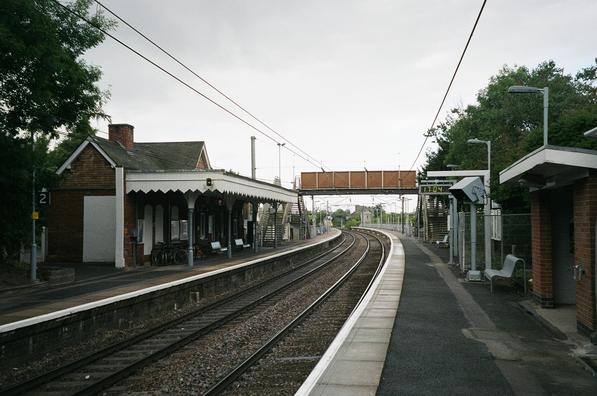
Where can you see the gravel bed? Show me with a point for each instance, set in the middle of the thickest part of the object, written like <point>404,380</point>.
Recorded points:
<point>14,374</point>
<point>283,370</point>
<point>198,366</point>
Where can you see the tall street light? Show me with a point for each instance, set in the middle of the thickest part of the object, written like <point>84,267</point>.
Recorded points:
<point>592,133</point>
<point>280,145</point>
<point>517,89</point>
<point>487,208</point>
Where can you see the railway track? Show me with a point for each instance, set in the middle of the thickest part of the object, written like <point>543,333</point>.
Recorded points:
<point>284,361</point>
<point>100,370</point>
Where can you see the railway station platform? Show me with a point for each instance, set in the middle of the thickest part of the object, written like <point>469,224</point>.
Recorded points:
<point>423,329</point>
<point>98,284</point>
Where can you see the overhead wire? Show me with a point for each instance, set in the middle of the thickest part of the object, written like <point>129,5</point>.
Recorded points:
<point>178,79</point>
<point>175,59</point>
<point>451,81</point>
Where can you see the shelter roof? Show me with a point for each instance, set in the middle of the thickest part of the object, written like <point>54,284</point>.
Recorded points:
<point>551,166</point>
<point>213,181</point>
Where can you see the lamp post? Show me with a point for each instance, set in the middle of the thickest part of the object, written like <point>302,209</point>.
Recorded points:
<point>517,89</point>
<point>487,208</point>
<point>453,209</point>
<point>591,133</point>
<point>280,145</point>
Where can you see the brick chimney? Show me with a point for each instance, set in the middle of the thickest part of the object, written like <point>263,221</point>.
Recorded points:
<point>123,134</point>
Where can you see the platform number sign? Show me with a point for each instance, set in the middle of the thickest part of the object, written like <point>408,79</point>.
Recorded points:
<point>43,198</point>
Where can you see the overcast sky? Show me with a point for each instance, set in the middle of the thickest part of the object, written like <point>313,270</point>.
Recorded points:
<point>352,83</point>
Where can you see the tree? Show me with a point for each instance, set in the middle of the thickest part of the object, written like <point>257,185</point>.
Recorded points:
<point>514,123</point>
<point>46,90</point>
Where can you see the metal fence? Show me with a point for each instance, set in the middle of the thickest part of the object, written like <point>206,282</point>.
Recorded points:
<point>510,233</point>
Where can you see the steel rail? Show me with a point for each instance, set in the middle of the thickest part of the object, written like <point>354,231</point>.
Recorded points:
<point>238,371</point>
<point>377,271</point>
<point>46,378</point>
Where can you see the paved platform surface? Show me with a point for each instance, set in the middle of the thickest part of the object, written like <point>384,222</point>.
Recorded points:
<point>454,337</point>
<point>99,281</point>
<point>449,336</point>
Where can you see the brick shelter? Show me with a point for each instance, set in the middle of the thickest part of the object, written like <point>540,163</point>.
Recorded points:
<point>563,185</point>
<point>118,199</point>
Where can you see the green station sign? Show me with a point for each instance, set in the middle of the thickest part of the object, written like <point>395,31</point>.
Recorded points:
<point>435,187</point>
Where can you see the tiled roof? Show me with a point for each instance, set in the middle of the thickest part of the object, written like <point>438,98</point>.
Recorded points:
<point>153,156</point>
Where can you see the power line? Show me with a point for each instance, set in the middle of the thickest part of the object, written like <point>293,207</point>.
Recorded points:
<point>451,81</point>
<point>203,79</point>
<point>83,18</point>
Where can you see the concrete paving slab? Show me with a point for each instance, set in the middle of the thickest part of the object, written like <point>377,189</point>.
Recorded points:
<point>372,335</point>
<point>343,390</point>
<point>353,372</point>
<point>375,323</point>
<point>386,304</point>
<point>380,313</point>
<point>386,297</point>
<point>365,351</point>
<point>388,291</point>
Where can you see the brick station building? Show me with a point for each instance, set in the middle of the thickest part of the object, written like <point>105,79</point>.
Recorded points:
<point>563,186</point>
<point>116,194</point>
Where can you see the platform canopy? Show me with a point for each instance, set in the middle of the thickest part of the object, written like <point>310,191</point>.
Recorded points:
<point>550,166</point>
<point>207,182</point>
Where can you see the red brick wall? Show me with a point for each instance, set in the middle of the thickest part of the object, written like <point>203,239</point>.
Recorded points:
<point>585,214</point>
<point>90,175</point>
<point>123,134</point>
<point>90,170</point>
<point>201,162</point>
<point>541,248</point>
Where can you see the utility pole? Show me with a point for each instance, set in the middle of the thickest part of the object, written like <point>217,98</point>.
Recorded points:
<point>280,145</point>
<point>402,216</point>
<point>253,167</point>
<point>34,214</point>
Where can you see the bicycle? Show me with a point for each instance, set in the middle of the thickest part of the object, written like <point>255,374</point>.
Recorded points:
<point>164,254</point>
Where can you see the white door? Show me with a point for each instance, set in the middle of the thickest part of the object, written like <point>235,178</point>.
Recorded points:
<point>99,228</point>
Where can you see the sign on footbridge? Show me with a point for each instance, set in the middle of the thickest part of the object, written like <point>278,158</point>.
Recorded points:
<point>359,182</point>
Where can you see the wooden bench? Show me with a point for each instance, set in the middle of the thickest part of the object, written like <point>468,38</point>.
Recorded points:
<point>239,244</point>
<point>216,247</point>
<point>507,271</point>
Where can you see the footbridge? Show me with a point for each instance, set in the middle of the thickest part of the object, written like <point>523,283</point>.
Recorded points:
<point>359,182</point>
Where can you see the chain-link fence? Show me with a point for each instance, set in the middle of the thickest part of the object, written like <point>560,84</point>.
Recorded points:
<point>510,233</point>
